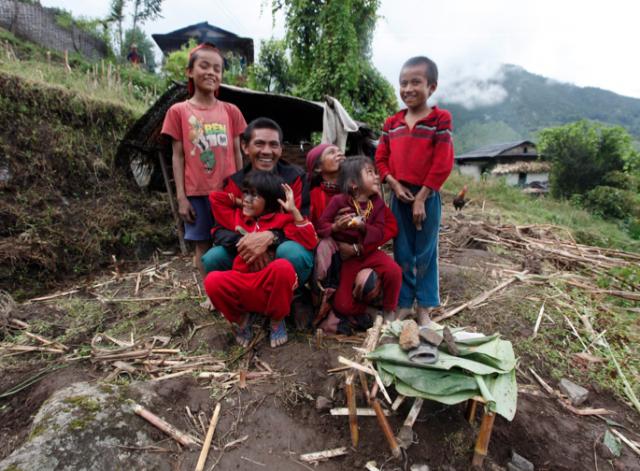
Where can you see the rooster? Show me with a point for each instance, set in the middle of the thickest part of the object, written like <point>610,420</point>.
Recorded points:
<point>459,201</point>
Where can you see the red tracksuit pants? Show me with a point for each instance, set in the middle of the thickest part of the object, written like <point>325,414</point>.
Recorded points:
<point>390,275</point>
<point>268,292</point>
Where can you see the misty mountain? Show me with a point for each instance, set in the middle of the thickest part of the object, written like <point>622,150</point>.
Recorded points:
<point>527,103</point>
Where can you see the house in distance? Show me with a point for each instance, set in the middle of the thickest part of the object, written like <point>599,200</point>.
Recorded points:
<point>518,162</point>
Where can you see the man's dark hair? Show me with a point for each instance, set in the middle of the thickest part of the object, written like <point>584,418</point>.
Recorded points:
<point>260,123</point>
<point>351,173</point>
<point>265,184</point>
<point>430,67</point>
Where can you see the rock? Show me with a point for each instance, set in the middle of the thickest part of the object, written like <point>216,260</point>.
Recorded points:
<point>323,403</point>
<point>520,463</point>
<point>576,394</point>
<point>410,335</point>
<point>430,335</point>
<point>419,467</point>
<point>88,427</point>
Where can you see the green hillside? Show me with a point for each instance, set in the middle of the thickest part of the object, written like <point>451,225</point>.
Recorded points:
<point>535,102</point>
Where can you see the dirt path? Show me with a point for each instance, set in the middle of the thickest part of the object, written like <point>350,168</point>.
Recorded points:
<point>278,415</point>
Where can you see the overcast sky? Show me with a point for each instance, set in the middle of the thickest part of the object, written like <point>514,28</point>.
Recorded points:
<point>588,43</point>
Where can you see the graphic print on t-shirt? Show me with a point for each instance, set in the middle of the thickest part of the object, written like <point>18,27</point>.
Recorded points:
<point>205,137</point>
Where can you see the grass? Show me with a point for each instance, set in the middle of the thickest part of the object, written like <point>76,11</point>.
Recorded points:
<point>511,205</point>
<point>105,81</point>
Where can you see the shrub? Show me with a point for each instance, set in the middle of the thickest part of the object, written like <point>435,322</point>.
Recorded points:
<point>612,203</point>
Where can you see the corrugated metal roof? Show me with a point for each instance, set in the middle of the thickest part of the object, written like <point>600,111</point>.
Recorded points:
<point>493,150</point>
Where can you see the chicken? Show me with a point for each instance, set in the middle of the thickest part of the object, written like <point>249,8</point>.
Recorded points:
<point>459,201</point>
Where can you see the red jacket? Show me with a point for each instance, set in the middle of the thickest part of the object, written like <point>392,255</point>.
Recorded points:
<point>320,200</point>
<point>230,217</point>
<point>420,156</point>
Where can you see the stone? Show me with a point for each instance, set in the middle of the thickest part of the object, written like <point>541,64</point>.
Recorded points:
<point>88,427</point>
<point>419,467</point>
<point>323,403</point>
<point>409,336</point>
<point>520,463</point>
<point>576,394</point>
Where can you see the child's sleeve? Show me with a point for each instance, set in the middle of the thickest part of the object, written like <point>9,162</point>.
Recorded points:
<point>223,209</point>
<point>383,151</point>
<point>302,233</point>
<point>389,232</point>
<point>374,227</point>
<point>172,124</point>
<point>328,216</point>
<point>238,123</point>
<point>442,153</point>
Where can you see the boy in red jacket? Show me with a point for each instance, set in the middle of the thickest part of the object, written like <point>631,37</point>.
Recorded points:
<point>415,157</point>
<point>247,288</point>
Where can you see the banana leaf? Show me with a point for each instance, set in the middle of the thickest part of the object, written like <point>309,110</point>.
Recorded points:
<point>497,353</point>
<point>434,382</point>
<point>392,353</point>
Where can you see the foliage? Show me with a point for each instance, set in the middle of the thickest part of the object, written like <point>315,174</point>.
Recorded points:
<point>175,63</point>
<point>93,26</point>
<point>141,12</point>
<point>613,203</point>
<point>583,153</point>
<point>272,71</point>
<point>330,46</point>
<point>145,47</point>
<point>235,70</point>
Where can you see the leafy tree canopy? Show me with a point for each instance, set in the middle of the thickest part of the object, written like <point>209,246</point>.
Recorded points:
<point>272,71</point>
<point>145,47</point>
<point>584,153</point>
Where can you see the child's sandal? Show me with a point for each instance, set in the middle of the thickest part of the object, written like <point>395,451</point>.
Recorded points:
<point>278,335</point>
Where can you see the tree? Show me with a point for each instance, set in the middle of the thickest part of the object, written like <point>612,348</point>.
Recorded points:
<point>329,42</point>
<point>272,71</point>
<point>583,154</point>
<point>143,11</point>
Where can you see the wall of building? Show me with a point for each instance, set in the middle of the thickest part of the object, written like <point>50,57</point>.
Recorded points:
<point>537,177</point>
<point>470,170</point>
<point>37,24</point>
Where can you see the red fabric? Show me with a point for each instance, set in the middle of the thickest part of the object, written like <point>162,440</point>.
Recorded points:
<point>207,136</point>
<point>268,291</point>
<point>390,275</point>
<point>319,202</point>
<point>374,225</point>
<point>312,157</point>
<point>296,185</point>
<point>230,217</point>
<point>422,155</point>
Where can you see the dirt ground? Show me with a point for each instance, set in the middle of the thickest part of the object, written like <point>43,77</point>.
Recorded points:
<point>277,414</point>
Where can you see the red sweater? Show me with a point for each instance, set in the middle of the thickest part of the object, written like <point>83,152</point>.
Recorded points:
<point>420,156</point>
<point>230,217</point>
<point>320,200</point>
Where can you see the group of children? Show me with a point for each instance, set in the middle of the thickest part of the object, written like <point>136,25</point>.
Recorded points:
<point>347,221</point>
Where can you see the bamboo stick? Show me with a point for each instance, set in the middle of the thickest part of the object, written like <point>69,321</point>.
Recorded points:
<point>484,436</point>
<point>386,428</point>
<point>207,441</point>
<point>351,404</point>
<point>181,437</point>
<point>323,455</point>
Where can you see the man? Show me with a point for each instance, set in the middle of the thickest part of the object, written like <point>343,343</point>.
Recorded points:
<point>261,142</point>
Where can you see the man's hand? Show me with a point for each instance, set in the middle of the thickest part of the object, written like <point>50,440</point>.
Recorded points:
<point>253,245</point>
<point>186,211</point>
<point>419,214</point>
<point>260,262</point>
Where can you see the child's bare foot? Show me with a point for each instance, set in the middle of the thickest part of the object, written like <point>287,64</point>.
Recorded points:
<point>243,332</point>
<point>424,316</point>
<point>208,305</point>
<point>404,312</point>
<point>389,316</point>
<point>278,334</point>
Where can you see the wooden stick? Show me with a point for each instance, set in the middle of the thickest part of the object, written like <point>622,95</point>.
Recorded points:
<point>324,455</point>
<point>471,411</point>
<point>207,441</point>
<point>629,443</point>
<point>181,437</point>
<point>351,404</point>
<point>538,320</point>
<point>172,375</point>
<point>172,203</point>
<point>361,411</point>
<point>19,324</point>
<point>482,443</point>
<point>386,428</point>
<point>365,386</point>
<point>399,400</point>
<point>413,413</point>
<point>30,348</point>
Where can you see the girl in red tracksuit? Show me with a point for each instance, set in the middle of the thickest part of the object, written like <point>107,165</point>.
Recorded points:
<point>264,290</point>
<point>364,228</point>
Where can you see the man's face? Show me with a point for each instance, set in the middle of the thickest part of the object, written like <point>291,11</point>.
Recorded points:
<point>414,87</point>
<point>264,149</point>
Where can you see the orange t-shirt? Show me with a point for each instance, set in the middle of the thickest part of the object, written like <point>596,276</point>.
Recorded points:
<point>207,139</point>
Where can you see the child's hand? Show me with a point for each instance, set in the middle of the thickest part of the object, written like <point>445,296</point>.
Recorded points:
<point>289,205</point>
<point>419,213</point>
<point>186,211</point>
<point>342,220</point>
